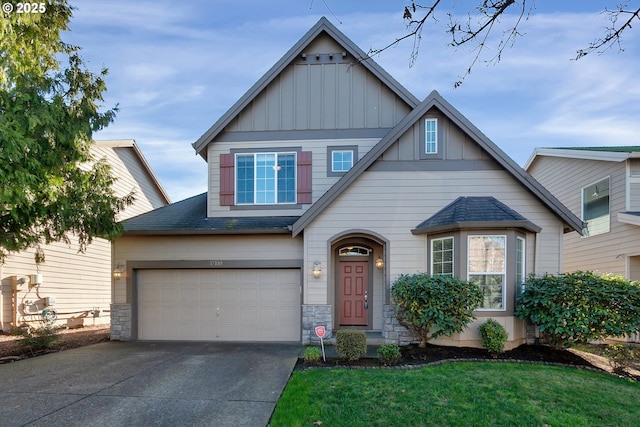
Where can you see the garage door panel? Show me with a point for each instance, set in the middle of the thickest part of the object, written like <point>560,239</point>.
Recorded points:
<point>243,305</point>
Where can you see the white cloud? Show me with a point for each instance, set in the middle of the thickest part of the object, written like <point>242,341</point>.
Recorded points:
<point>176,67</point>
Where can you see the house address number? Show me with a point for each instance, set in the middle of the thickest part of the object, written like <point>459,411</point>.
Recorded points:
<point>216,263</point>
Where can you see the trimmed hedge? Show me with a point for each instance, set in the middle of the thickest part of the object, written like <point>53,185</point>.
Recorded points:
<point>431,306</point>
<point>351,345</point>
<point>579,307</point>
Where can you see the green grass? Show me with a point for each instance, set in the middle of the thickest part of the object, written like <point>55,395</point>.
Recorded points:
<point>458,394</point>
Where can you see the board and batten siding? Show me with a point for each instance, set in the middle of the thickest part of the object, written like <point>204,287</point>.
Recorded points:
<point>565,178</point>
<point>320,180</point>
<point>202,248</point>
<point>81,282</point>
<point>336,93</point>
<point>391,204</point>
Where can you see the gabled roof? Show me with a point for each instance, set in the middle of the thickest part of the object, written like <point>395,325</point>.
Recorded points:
<point>474,212</point>
<point>323,25</point>
<point>609,154</point>
<point>436,100</point>
<point>189,216</point>
<point>130,143</point>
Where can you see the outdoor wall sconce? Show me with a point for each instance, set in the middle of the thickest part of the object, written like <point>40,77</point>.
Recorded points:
<point>379,263</point>
<point>118,271</point>
<point>316,270</point>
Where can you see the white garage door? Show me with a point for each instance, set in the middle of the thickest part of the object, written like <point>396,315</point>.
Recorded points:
<point>219,305</point>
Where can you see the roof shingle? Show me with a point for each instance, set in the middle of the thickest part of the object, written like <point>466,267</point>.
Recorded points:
<point>474,212</point>
<point>189,216</point>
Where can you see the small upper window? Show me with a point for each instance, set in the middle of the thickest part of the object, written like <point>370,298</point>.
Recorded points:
<point>341,160</point>
<point>595,207</point>
<point>431,136</point>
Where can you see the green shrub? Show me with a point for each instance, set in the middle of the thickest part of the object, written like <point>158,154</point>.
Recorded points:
<point>389,354</point>
<point>351,344</point>
<point>433,306</point>
<point>580,307</point>
<point>493,336</point>
<point>621,356</point>
<point>37,338</point>
<point>312,355</point>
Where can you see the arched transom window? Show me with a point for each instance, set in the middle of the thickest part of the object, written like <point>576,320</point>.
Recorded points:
<point>354,251</point>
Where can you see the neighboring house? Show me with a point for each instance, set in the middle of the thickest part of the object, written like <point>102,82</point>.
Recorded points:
<point>80,283</point>
<point>327,180</point>
<point>601,185</point>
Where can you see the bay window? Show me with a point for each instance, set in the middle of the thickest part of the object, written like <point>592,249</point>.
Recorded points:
<point>487,268</point>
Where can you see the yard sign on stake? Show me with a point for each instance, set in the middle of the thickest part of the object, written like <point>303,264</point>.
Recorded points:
<point>320,333</point>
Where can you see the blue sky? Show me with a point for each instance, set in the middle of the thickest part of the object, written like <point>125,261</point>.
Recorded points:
<point>176,67</point>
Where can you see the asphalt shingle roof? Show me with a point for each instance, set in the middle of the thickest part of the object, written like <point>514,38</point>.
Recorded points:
<point>474,212</point>
<point>189,216</point>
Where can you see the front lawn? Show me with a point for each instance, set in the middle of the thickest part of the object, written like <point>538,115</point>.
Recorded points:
<point>458,394</point>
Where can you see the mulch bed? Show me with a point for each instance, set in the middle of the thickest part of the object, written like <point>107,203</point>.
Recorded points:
<point>414,356</point>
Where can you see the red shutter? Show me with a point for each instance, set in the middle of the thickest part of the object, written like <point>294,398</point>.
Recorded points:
<point>226,180</point>
<point>304,177</point>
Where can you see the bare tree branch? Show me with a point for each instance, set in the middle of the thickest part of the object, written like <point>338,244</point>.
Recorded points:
<point>415,32</point>
<point>485,18</point>
<point>613,34</point>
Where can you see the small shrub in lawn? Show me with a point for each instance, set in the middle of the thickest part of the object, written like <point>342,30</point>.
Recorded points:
<point>389,354</point>
<point>351,345</point>
<point>621,356</point>
<point>37,338</point>
<point>493,336</point>
<point>312,355</point>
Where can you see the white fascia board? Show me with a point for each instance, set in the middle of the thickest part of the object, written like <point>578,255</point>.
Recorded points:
<point>628,218</point>
<point>608,156</point>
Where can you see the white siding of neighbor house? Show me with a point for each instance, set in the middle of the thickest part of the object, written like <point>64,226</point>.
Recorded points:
<point>202,248</point>
<point>320,181</point>
<point>81,282</point>
<point>565,178</point>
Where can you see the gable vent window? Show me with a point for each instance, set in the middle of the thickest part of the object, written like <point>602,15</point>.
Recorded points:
<point>431,136</point>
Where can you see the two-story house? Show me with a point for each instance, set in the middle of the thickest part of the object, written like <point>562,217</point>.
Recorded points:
<point>77,286</point>
<point>327,180</point>
<point>601,185</point>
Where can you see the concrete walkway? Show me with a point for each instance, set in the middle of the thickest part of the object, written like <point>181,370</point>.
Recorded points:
<point>147,384</point>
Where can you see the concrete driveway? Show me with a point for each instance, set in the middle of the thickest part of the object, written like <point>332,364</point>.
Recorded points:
<point>147,384</point>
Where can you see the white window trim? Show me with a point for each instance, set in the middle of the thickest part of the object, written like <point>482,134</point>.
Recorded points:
<point>342,151</point>
<point>582,204</point>
<point>426,141</point>
<point>524,259</point>
<point>453,253</point>
<point>503,273</point>
<point>255,177</point>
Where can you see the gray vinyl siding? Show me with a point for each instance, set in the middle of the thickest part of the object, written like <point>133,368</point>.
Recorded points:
<point>82,281</point>
<point>565,178</point>
<point>390,204</point>
<point>310,95</point>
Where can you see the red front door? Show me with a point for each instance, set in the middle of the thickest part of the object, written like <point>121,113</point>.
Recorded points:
<point>354,286</point>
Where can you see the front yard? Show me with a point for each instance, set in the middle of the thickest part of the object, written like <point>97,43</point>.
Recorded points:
<point>458,394</point>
